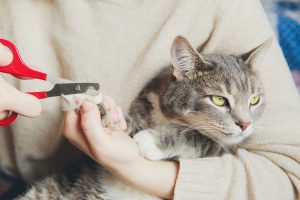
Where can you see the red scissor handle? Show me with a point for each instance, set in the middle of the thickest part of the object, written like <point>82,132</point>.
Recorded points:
<point>17,67</point>
<point>9,120</point>
<point>39,95</point>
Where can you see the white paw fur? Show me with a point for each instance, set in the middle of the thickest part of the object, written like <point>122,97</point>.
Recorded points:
<point>73,102</point>
<point>146,143</point>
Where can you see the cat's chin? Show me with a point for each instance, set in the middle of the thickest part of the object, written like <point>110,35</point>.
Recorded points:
<point>238,137</point>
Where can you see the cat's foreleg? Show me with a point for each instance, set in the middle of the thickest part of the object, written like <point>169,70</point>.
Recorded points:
<point>159,144</point>
<point>171,144</point>
<point>148,143</point>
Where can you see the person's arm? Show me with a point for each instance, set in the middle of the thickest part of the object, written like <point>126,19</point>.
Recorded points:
<point>10,98</point>
<point>153,177</point>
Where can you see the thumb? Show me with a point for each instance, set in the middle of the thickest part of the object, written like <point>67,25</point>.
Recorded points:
<point>91,122</point>
<point>5,55</point>
<point>19,102</point>
<point>25,104</point>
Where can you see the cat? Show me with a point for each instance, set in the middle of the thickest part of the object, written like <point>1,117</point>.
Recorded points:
<point>202,105</point>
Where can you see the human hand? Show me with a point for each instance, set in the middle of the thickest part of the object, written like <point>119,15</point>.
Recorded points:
<point>111,148</point>
<point>10,98</point>
<point>117,152</point>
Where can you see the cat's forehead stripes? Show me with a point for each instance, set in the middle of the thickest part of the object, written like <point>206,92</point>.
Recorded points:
<point>235,76</point>
<point>230,78</point>
<point>229,97</point>
<point>238,86</point>
<point>227,85</point>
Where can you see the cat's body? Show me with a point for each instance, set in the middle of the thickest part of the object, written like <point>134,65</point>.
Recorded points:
<point>202,106</point>
<point>150,115</point>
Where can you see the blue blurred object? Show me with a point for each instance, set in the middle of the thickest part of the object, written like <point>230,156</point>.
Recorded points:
<point>284,15</point>
<point>288,27</point>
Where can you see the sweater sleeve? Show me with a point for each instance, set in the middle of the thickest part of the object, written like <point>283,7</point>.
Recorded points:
<point>267,165</point>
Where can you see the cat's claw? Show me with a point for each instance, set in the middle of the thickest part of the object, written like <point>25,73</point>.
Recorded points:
<point>146,143</point>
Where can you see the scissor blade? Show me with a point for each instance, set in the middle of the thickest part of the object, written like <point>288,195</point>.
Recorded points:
<point>72,88</point>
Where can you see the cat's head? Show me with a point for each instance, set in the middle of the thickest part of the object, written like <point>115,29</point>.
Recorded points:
<point>219,95</point>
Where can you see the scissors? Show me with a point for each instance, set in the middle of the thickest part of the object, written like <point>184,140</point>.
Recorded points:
<point>61,86</point>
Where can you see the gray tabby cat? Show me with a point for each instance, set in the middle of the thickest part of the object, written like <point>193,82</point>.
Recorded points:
<point>203,105</point>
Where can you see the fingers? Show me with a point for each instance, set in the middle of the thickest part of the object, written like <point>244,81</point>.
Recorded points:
<point>14,100</point>
<point>122,119</point>
<point>85,131</point>
<point>5,55</point>
<point>92,128</point>
<point>90,117</point>
<point>26,105</point>
<point>110,106</point>
<point>73,132</point>
<point>11,98</point>
<point>116,112</point>
<point>4,114</point>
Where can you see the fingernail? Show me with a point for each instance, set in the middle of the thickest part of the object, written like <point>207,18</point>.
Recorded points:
<point>116,117</point>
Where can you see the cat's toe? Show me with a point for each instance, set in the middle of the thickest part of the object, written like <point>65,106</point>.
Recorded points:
<point>147,146</point>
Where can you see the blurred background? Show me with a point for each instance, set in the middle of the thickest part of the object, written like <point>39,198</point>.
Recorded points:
<point>284,16</point>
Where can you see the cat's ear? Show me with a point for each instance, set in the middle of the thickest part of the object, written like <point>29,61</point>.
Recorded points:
<point>184,58</point>
<point>257,55</point>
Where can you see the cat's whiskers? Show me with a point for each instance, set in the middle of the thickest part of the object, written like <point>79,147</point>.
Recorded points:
<point>189,115</point>
<point>218,127</point>
<point>197,119</point>
<point>190,128</point>
<point>204,128</point>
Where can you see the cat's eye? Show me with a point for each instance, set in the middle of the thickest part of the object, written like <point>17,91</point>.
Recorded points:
<point>218,100</point>
<point>254,100</point>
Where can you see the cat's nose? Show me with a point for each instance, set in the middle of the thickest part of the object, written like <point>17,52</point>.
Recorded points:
<point>243,125</point>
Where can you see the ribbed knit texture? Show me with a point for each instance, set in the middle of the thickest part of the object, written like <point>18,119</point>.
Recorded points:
<point>122,44</point>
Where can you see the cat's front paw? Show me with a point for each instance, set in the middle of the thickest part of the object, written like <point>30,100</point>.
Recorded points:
<point>146,143</point>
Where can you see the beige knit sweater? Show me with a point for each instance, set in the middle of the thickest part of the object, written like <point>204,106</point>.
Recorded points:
<point>122,44</point>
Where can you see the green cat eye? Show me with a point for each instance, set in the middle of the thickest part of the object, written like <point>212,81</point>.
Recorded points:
<point>254,100</point>
<point>218,100</point>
